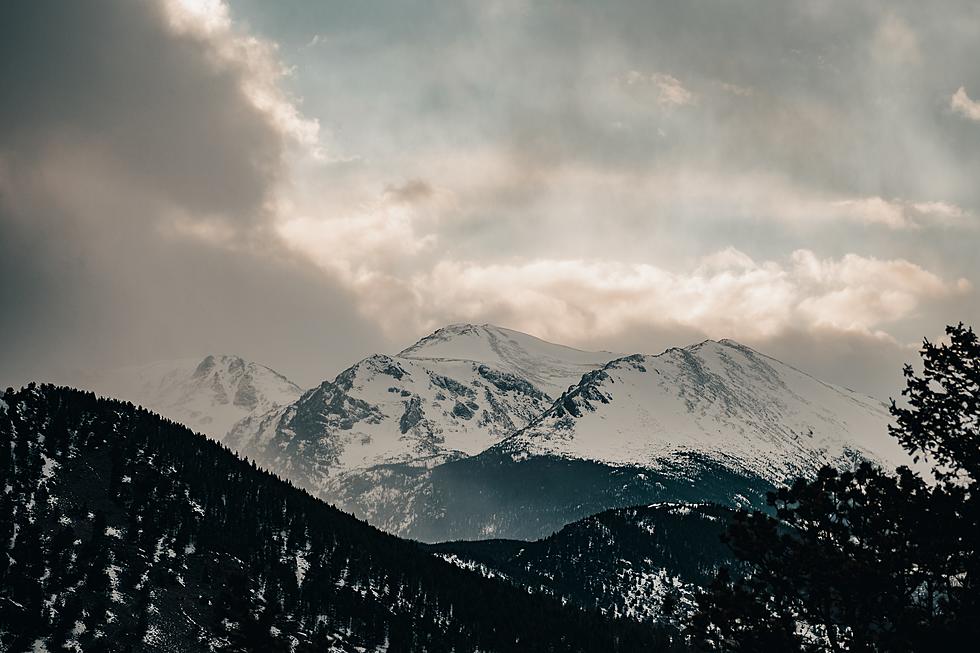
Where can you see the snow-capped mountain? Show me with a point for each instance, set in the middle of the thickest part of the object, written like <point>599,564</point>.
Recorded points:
<point>209,395</point>
<point>550,367</point>
<point>715,421</point>
<point>722,400</point>
<point>451,395</point>
<point>465,435</point>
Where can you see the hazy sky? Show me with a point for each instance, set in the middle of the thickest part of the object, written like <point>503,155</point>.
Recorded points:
<point>306,182</point>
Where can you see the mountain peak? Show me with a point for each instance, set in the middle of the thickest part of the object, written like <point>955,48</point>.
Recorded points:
<point>449,333</point>
<point>208,394</point>
<point>718,344</point>
<point>720,399</point>
<point>550,366</point>
<point>434,344</point>
<point>211,361</point>
<point>730,343</point>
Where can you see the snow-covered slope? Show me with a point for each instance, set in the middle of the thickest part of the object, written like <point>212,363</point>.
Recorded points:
<point>209,395</point>
<point>451,395</point>
<point>394,410</point>
<point>722,400</point>
<point>715,421</point>
<point>550,367</point>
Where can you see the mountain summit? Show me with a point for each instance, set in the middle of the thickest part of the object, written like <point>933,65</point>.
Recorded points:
<point>549,366</point>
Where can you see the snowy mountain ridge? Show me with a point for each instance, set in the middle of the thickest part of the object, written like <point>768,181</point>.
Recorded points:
<point>549,366</point>
<point>209,395</point>
<point>479,431</point>
<point>457,434</point>
<point>451,395</point>
<point>722,399</point>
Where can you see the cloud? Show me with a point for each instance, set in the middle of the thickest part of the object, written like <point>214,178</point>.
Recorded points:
<point>143,152</point>
<point>671,93</point>
<point>195,113</point>
<point>644,132</point>
<point>676,191</point>
<point>416,253</point>
<point>895,42</point>
<point>735,89</point>
<point>361,244</point>
<point>377,237</point>
<point>178,172</point>
<point>862,294</point>
<point>726,294</point>
<point>899,213</point>
<point>963,105</point>
<point>256,58</point>
<point>410,192</point>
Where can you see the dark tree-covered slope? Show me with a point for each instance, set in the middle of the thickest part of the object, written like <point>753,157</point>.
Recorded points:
<point>498,494</point>
<point>124,531</point>
<point>644,562</point>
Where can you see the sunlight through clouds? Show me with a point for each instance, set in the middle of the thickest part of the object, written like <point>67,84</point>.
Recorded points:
<point>564,169</point>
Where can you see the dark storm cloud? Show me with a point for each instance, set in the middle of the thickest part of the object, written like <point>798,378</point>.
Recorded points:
<point>127,150</point>
<point>109,76</point>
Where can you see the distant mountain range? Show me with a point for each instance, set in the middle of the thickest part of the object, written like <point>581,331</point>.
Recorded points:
<point>209,395</point>
<point>478,431</point>
<point>427,405</point>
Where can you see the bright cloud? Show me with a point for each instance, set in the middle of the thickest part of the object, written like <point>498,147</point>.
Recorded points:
<point>396,254</point>
<point>898,213</point>
<point>210,20</point>
<point>963,105</point>
<point>725,294</point>
<point>671,92</point>
<point>379,237</point>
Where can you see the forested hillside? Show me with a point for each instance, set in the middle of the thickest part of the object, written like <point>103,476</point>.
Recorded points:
<point>645,563</point>
<point>124,531</point>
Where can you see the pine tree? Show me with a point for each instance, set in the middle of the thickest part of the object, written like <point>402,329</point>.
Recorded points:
<point>942,420</point>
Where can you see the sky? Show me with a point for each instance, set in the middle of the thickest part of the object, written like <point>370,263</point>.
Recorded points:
<point>307,182</point>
